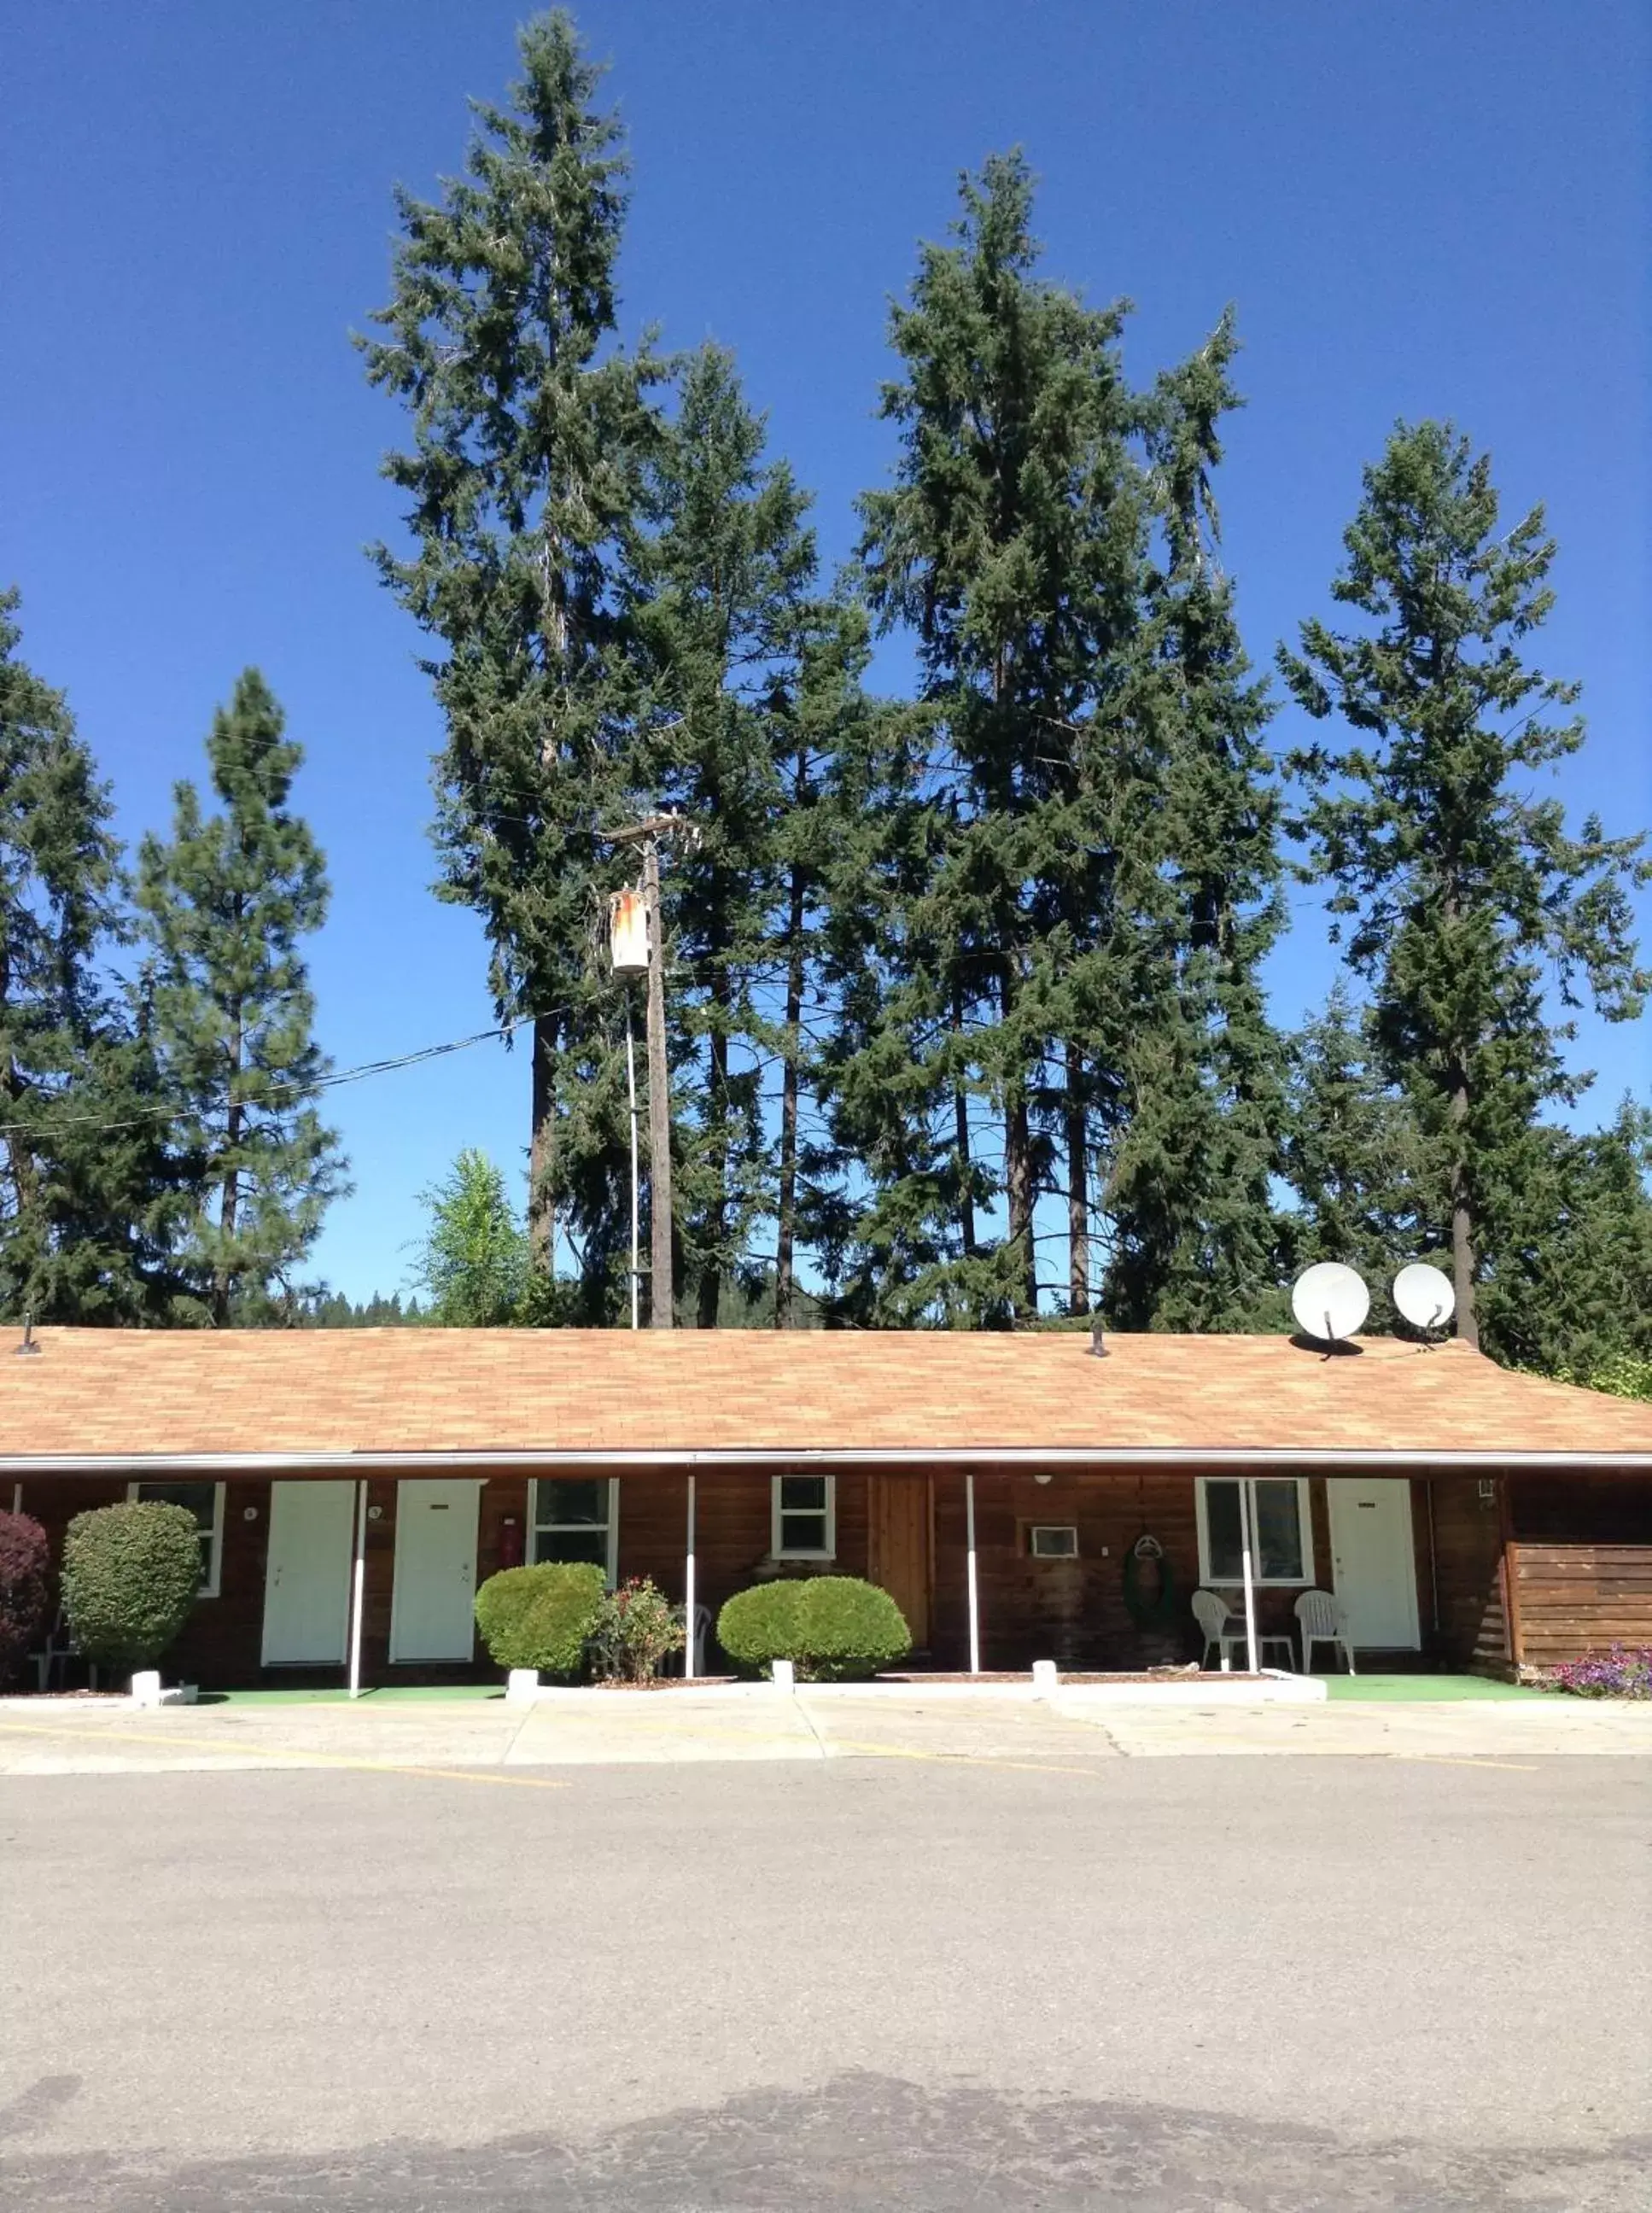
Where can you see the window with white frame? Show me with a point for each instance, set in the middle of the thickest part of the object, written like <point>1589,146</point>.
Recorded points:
<point>804,1517</point>
<point>1281,1523</point>
<point>205,1502</point>
<point>576,1518</point>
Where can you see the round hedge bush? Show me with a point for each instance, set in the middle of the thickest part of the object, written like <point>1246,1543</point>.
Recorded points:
<point>24,1560</point>
<point>831,1628</point>
<point>540,1617</point>
<point>131,1577</point>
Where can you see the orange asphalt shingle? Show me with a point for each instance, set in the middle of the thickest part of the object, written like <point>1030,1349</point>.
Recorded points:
<point>93,1392</point>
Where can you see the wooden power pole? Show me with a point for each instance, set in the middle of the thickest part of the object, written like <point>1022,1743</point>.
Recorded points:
<point>648,834</point>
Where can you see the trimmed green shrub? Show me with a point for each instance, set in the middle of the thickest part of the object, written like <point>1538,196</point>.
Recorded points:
<point>131,1577</point>
<point>637,1629</point>
<point>831,1628</point>
<point>24,1558</point>
<point>540,1617</point>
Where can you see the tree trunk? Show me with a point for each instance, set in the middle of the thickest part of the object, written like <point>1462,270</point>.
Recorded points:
<point>710,1283</point>
<point>1078,1187</point>
<point>786,1221</point>
<point>541,1213</point>
<point>224,1276</point>
<point>1018,1180</point>
<point>960,1126</point>
<point>1462,1227</point>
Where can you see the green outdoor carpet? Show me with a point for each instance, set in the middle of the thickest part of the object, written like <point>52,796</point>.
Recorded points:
<point>392,1694</point>
<point>1417,1689</point>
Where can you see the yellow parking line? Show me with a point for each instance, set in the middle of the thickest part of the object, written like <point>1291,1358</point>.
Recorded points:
<point>286,1752</point>
<point>1466,1760</point>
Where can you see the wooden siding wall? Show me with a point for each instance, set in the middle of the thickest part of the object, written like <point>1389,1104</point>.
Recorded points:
<point>1467,1572</point>
<point>1581,1553</point>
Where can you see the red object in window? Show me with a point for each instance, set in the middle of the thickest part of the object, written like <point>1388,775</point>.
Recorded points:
<point>510,1544</point>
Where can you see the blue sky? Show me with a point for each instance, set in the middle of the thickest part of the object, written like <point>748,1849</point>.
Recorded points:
<point>1416,209</point>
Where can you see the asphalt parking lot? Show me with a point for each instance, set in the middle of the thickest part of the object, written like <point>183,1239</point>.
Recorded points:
<point>1096,1979</point>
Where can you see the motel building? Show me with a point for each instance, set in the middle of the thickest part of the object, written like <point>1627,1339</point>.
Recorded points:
<point>354,1487</point>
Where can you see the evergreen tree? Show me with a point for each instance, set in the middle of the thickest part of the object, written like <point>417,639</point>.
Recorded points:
<point>87,1180</point>
<point>1012,547</point>
<point>225,904</point>
<point>1188,1192</point>
<point>473,1262</point>
<point>1355,1160</point>
<point>1568,1288</point>
<point>723,617</point>
<point>1461,886</point>
<point>526,425</point>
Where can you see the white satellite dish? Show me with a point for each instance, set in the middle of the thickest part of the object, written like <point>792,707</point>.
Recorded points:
<point>1424,1296</point>
<point>1329,1302</point>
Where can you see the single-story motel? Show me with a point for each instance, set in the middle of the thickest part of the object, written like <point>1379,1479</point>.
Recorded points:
<point>354,1487</point>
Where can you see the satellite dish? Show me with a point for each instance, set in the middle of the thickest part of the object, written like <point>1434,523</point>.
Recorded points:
<point>1329,1302</point>
<point>1424,1296</point>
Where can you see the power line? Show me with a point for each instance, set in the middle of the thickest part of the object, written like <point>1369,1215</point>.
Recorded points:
<point>305,1087</point>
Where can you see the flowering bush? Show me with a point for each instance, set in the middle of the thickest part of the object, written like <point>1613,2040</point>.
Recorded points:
<point>1626,1672</point>
<point>636,1630</point>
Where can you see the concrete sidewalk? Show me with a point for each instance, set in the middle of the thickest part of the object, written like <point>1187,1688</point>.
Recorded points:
<point>61,1738</point>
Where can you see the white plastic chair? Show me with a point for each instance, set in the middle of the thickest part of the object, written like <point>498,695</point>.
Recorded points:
<point>702,1631</point>
<point>1220,1628</point>
<point>1323,1620</point>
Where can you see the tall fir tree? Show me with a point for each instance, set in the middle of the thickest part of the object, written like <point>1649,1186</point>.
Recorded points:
<point>1011,547</point>
<point>722,607</point>
<point>225,904</point>
<point>1462,891</point>
<point>527,423</point>
<point>88,1181</point>
<point>1188,1195</point>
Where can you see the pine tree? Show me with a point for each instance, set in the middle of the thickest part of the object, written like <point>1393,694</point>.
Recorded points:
<point>722,610</point>
<point>1012,546</point>
<point>225,904</point>
<point>473,1262</point>
<point>1194,1140</point>
<point>527,424</point>
<point>1357,1165</point>
<point>87,1179</point>
<point>1460,888</point>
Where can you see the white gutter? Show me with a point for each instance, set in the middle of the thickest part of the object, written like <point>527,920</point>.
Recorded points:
<point>1100,1458</point>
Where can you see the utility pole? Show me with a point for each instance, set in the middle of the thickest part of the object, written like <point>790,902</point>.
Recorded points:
<point>647,834</point>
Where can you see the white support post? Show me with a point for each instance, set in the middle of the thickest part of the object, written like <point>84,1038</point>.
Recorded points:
<point>358,1590</point>
<point>1245,1568</point>
<point>688,1590</point>
<point>974,1608</point>
<point>16,1497</point>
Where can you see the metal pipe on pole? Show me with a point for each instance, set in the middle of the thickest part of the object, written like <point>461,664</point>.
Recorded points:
<point>663,1301</point>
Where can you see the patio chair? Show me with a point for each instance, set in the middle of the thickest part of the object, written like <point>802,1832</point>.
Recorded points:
<point>1323,1619</point>
<point>1219,1627</point>
<point>702,1632</point>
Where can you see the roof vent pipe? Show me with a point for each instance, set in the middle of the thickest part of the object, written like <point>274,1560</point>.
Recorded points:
<point>28,1346</point>
<point>1098,1348</point>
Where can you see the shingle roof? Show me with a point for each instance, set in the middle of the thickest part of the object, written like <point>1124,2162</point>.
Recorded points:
<point>96,1393</point>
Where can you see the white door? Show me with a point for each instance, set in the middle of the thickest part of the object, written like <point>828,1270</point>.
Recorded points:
<point>307,1580</point>
<point>1375,1563</point>
<point>433,1594</point>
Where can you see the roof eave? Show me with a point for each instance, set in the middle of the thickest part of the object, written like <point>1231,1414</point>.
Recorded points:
<point>1195,1459</point>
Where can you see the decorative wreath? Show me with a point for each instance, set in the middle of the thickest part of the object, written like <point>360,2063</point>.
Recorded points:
<point>1149,1583</point>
